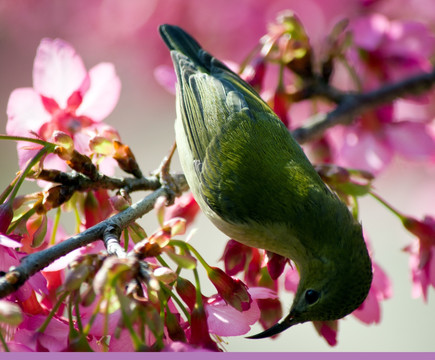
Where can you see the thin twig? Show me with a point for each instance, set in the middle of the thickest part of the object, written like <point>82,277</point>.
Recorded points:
<point>353,104</point>
<point>35,262</point>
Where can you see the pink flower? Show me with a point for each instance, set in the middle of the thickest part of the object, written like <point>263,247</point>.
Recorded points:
<point>224,320</point>
<point>328,330</point>
<point>377,138</point>
<point>275,265</point>
<point>387,51</point>
<point>165,76</point>
<point>233,291</point>
<point>369,311</point>
<point>235,257</point>
<point>25,295</point>
<point>422,251</point>
<point>184,207</point>
<point>199,332</point>
<point>54,338</point>
<point>391,50</point>
<point>64,97</point>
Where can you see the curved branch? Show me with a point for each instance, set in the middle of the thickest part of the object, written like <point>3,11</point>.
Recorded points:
<point>353,104</point>
<point>35,262</point>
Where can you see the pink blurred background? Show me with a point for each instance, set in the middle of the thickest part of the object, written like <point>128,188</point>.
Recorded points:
<point>125,33</point>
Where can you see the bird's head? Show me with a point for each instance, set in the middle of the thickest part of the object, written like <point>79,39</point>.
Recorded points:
<point>327,291</point>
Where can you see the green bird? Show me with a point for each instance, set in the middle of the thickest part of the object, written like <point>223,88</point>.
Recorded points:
<point>253,181</point>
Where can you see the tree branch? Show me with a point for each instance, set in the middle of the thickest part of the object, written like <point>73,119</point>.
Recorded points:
<point>35,262</point>
<point>79,182</point>
<point>353,104</point>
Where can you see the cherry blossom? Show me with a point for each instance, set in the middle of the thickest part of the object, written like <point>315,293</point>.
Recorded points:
<point>64,97</point>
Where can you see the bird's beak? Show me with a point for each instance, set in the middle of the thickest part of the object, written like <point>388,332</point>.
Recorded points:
<point>277,328</point>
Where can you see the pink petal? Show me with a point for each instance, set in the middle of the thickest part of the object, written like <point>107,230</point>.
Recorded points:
<point>5,241</point>
<point>121,343</point>
<point>382,283</point>
<point>54,338</point>
<point>165,76</point>
<point>409,38</point>
<point>364,150</point>
<point>103,94</point>
<point>368,32</point>
<point>63,261</point>
<point>262,293</point>
<point>369,312</point>
<point>38,283</point>
<point>26,151</point>
<point>291,280</point>
<point>58,71</point>
<point>224,320</point>
<point>411,140</point>
<point>25,112</point>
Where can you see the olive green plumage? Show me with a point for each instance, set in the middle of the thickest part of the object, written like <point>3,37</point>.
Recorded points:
<point>254,182</point>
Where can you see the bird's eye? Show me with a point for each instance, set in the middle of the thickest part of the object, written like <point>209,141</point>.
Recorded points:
<point>311,296</point>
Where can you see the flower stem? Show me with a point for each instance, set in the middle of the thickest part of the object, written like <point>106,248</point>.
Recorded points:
<point>25,216</point>
<point>55,226</point>
<point>24,173</point>
<point>189,247</point>
<point>53,311</point>
<point>388,206</point>
<point>77,311</point>
<point>177,300</point>
<point>137,342</point>
<point>162,261</point>
<point>3,342</point>
<point>8,190</point>
<point>23,138</point>
<point>93,316</point>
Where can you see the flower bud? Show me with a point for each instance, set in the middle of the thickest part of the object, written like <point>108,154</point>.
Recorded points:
<point>6,216</point>
<point>184,207</point>
<point>281,106</point>
<point>233,291</point>
<point>83,164</point>
<point>119,203</point>
<point>199,334</point>
<point>254,74</point>
<point>38,227</point>
<point>175,331</point>
<point>65,144</point>
<point>125,158</point>
<point>271,311</point>
<point>235,256</point>
<point>10,313</point>
<point>275,264</point>
<point>165,275</point>
<point>185,261</point>
<point>101,145</point>
<point>187,291</point>
<point>76,277</point>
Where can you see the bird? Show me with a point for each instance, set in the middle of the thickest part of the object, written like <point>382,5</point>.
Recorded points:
<point>254,182</point>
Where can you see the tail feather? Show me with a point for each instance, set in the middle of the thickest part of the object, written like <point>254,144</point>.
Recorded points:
<point>177,39</point>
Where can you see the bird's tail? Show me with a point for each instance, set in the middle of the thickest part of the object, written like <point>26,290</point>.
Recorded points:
<point>179,40</point>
